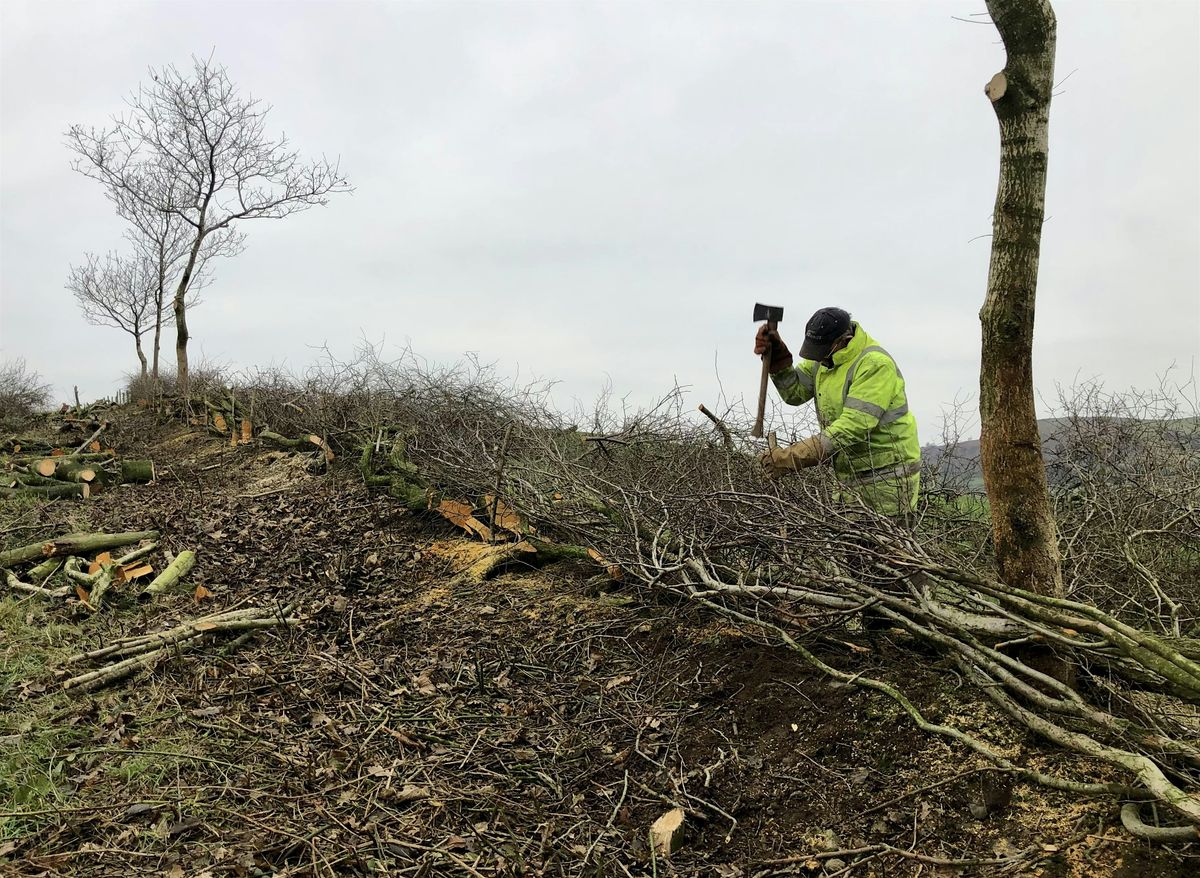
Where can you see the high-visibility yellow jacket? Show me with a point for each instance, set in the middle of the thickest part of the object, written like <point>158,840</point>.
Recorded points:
<point>862,408</point>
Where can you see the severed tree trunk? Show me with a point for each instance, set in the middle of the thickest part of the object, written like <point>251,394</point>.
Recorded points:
<point>1014,473</point>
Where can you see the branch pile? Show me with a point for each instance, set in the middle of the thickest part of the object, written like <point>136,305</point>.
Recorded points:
<point>677,506</point>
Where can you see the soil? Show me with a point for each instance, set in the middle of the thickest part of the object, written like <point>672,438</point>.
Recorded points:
<point>535,724</point>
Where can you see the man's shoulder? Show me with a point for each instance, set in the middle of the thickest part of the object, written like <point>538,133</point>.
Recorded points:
<point>876,356</point>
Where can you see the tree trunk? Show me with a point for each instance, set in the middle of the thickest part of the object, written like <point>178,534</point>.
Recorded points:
<point>1010,446</point>
<point>73,544</point>
<point>181,341</point>
<point>1014,473</point>
<point>137,343</point>
<point>180,308</point>
<point>158,306</point>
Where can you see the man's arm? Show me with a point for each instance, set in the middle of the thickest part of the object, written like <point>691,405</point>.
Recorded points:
<point>795,383</point>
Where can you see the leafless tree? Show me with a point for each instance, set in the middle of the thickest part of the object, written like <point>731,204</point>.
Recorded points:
<point>22,390</point>
<point>164,239</point>
<point>117,291</point>
<point>195,130</point>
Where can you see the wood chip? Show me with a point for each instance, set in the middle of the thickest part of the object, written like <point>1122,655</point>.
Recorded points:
<point>666,834</point>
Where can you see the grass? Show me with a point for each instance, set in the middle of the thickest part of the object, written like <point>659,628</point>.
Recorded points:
<point>55,752</point>
<point>33,743</point>
<point>60,750</point>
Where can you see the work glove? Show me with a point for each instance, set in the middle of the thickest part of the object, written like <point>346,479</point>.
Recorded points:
<point>800,455</point>
<point>768,339</point>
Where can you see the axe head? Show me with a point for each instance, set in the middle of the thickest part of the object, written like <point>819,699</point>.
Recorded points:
<point>770,313</point>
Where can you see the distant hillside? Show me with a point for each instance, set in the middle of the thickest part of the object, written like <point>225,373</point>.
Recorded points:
<point>960,462</point>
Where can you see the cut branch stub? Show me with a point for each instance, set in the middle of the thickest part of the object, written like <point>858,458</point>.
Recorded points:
<point>996,87</point>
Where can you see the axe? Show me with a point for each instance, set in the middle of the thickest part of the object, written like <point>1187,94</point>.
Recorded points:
<point>773,314</point>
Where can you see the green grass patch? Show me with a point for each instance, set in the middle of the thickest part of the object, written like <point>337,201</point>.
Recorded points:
<point>65,750</point>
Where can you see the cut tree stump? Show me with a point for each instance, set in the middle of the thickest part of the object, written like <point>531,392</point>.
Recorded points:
<point>666,834</point>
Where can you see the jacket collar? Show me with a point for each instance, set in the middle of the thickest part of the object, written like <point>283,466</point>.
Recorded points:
<point>851,351</point>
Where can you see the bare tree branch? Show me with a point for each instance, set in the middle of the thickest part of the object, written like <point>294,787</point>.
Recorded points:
<point>192,148</point>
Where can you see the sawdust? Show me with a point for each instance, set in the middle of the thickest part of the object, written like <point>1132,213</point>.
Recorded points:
<point>281,469</point>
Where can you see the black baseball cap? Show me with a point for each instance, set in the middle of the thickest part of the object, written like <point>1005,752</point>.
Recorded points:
<point>822,330</point>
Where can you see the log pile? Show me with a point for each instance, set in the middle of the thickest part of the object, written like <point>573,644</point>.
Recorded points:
<point>511,540</point>
<point>45,468</point>
<point>232,418</point>
<point>83,566</point>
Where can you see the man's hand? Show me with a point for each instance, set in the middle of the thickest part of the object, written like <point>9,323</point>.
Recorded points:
<point>767,339</point>
<point>800,455</point>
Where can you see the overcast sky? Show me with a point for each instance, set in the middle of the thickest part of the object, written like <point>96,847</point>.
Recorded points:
<point>598,192</point>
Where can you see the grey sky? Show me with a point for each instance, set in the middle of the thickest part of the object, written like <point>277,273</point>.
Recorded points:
<point>601,191</point>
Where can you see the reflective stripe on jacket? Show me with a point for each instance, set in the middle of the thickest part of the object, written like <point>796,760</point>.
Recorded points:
<point>862,408</point>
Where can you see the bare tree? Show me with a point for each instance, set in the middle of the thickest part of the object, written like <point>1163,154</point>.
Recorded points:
<point>22,391</point>
<point>165,240</point>
<point>1010,447</point>
<point>195,130</point>
<point>116,291</point>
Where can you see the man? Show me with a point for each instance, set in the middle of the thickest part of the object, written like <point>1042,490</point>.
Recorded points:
<point>867,430</point>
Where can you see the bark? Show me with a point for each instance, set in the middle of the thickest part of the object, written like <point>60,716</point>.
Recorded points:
<point>158,307</point>
<point>157,342</point>
<point>179,304</point>
<point>52,492</point>
<point>137,471</point>
<point>137,343</point>
<point>175,571</point>
<point>42,572</point>
<point>13,582</point>
<point>66,470</point>
<point>73,544</point>
<point>1010,447</point>
<point>100,585</point>
<point>26,479</point>
<point>304,443</point>
<point>181,341</point>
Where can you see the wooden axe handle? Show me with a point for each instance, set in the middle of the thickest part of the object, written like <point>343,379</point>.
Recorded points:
<point>757,432</point>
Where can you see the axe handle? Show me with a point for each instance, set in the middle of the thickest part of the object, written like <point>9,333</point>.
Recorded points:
<point>757,432</point>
